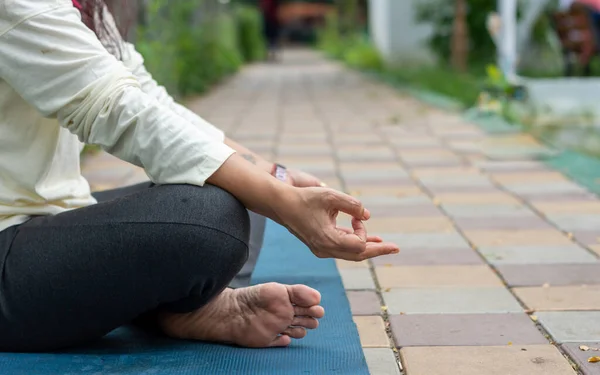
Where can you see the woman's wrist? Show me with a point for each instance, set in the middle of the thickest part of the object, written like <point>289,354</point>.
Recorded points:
<point>258,191</point>
<point>282,197</point>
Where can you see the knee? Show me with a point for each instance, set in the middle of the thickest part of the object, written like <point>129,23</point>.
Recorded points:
<point>210,207</point>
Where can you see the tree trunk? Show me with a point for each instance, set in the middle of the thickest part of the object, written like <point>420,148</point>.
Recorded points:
<point>460,37</point>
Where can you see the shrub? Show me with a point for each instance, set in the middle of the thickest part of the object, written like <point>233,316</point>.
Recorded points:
<point>188,47</point>
<point>252,45</point>
<point>362,54</point>
<point>330,39</point>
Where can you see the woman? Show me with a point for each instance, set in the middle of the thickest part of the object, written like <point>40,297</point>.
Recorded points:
<point>74,269</point>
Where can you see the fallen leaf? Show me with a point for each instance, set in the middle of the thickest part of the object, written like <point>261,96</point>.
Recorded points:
<point>387,289</point>
<point>509,343</point>
<point>384,308</point>
<point>387,265</point>
<point>593,359</point>
<point>585,348</point>
<point>534,318</point>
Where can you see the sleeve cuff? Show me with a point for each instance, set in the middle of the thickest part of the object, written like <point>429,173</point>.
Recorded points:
<point>216,154</point>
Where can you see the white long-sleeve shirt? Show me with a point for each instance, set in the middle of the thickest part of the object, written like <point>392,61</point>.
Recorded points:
<point>59,87</point>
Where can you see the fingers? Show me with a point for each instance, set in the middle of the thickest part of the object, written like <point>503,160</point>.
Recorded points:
<point>377,249</point>
<point>375,239</point>
<point>349,243</point>
<point>369,238</point>
<point>372,250</point>
<point>359,229</point>
<point>347,204</point>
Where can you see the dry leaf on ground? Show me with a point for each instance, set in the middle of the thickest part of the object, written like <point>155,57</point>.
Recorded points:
<point>534,318</point>
<point>585,348</point>
<point>593,359</point>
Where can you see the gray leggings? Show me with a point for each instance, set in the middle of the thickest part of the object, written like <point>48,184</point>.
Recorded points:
<point>73,277</point>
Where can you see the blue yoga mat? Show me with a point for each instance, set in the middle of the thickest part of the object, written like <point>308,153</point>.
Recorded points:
<point>332,349</point>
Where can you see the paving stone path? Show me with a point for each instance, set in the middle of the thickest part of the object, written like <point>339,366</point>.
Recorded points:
<point>499,271</point>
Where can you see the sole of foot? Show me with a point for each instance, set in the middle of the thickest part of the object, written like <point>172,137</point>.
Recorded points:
<point>264,315</point>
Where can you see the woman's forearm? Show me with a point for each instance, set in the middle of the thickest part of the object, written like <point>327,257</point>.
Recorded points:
<point>257,190</point>
<point>252,157</point>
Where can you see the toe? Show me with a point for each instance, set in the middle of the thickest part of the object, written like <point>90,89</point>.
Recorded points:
<point>301,295</point>
<point>313,311</point>
<point>282,340</point>
<point>295,332</point>
<point>306,322</point>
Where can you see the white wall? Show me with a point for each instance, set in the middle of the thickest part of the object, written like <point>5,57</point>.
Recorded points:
<point>396,33</point>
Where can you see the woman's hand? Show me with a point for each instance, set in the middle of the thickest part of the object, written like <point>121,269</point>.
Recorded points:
<point>310,214</point>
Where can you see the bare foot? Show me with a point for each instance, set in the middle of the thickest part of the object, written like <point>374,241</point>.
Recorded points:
<point>259,316</point>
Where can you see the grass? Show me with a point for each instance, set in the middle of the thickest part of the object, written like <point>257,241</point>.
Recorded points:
<point>464,87</point>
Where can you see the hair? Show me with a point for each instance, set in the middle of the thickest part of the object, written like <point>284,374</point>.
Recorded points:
<point>93,15</point>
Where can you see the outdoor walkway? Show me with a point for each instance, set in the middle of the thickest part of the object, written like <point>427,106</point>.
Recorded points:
<point>499,270</point>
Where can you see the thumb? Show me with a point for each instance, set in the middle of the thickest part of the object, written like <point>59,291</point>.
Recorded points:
<point>347,204</point>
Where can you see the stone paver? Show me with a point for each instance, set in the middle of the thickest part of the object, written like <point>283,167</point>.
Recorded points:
<point>488,360</point>
<point>409,225</point>
<point>517,238</point>
<point>411,256</point>
<point>381,361</point>
<point>445,300</point>
<point>572,207</point>
<point>436,276</point>
<point>465,330</point>
<point>340,263</point>
<point>487,211</point>
<point>455,200</point>
<point>571,326</point>
<point>364,302</point>
<point>372,332</point>
<point>540,254</point>
<point>426,240</point>
<point>560,297</point>
<point>357,278</point>
<point>502,222</point>
<point>581,356</point>
<point>550,274</point>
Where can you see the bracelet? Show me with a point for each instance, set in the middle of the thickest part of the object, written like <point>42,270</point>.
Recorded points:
<point>279,172</point>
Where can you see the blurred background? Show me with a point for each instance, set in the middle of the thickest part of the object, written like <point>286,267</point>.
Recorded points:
<point>531,62</point>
